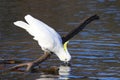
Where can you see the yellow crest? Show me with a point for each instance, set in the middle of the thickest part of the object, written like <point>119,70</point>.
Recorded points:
<point>65,45</point>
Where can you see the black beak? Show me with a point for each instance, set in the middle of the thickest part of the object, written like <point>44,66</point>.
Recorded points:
<point>66,64</point>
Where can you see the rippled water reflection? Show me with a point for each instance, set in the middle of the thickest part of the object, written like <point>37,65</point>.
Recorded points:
<point>95,51</point>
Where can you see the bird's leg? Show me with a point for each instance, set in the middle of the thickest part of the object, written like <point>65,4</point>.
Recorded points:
<point>38,61</point>
<point>31,65</point>
<point>42,58</point>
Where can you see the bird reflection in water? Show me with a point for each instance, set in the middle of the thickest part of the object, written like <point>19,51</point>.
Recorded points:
<point>64,72</point>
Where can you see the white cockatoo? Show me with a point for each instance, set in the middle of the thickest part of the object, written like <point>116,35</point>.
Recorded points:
<point>48,39</point>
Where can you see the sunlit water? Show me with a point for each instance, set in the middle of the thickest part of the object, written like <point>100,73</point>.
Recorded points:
<point>95,51</point>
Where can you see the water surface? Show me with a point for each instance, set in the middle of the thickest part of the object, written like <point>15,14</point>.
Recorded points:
<point>95,51</point>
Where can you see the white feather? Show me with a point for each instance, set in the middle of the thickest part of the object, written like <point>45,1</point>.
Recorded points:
<point>22,24</point>
<point>47,38</point>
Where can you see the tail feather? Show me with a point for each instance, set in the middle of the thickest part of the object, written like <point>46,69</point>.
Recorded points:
<point>22,24</point>
<point>35,22</point>
<point>30,20</point>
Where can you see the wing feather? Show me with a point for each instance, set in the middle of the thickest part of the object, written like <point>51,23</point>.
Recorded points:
<point>47,37</point>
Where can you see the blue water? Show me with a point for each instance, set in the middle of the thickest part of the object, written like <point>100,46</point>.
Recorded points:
<point>95,51</point>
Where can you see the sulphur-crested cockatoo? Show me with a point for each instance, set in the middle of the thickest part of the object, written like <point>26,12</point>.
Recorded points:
<point>48,39</point>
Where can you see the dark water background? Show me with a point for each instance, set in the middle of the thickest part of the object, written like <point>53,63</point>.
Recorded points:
<point>95,51</point>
